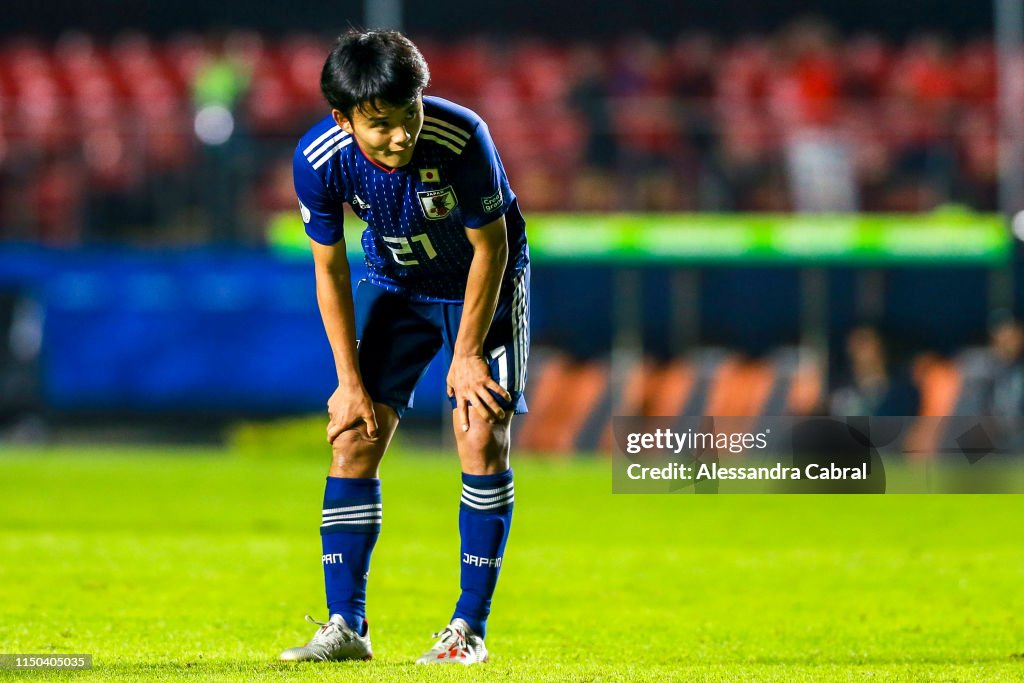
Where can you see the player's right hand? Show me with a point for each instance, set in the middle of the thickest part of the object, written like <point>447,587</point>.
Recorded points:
<point>470,384</point>
<point>351,408</point>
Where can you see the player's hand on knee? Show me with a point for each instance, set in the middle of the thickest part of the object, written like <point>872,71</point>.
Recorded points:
<point>470,383</point>
<point>351,408</point>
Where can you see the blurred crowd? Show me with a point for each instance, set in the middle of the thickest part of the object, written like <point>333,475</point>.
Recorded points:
<point>189,139</point>
<point>876,379</point>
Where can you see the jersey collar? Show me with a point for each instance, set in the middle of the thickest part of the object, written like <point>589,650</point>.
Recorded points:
<point>386,169</point>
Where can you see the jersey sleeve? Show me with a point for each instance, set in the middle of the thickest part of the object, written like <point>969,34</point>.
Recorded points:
<point>483,189</point>
<point>321,210</point>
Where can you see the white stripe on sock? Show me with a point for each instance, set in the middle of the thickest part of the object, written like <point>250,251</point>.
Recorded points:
<point>353,508</point>
<point>355,521</point>
<point>487,499</point>
<point>354,515</point>
<point>492,506</point>
<point>488,492</point>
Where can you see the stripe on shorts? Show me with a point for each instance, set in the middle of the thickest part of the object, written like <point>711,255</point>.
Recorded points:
<point>520,330</point>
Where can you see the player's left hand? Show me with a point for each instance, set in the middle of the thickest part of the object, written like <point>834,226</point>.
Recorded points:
<point>470,383</point>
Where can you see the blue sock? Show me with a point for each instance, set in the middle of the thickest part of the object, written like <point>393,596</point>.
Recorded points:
<point>351,525</point>
<point>485,517</point>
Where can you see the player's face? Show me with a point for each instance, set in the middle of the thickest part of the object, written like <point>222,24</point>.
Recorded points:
<point>387,134</point>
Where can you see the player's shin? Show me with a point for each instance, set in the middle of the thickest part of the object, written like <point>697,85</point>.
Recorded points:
<point>485,516</point>
<point>351,523</point>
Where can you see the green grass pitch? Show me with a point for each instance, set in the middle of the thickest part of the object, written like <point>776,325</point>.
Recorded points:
<point>199,565</point>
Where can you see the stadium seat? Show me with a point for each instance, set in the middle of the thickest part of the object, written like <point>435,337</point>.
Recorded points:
<point>895,104</point>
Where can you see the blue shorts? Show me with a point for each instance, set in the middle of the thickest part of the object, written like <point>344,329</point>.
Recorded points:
<point>397,339</point>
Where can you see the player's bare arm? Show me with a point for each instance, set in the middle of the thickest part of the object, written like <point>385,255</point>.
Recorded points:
<point>349,407</point>
<point>469,380</point>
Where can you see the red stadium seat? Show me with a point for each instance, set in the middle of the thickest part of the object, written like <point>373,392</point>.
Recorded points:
<point>893,103</point>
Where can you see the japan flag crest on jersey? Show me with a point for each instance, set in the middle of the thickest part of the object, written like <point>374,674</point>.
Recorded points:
<point>438,204</point>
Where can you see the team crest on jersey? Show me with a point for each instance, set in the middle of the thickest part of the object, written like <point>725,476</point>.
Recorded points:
<point>438,204</point>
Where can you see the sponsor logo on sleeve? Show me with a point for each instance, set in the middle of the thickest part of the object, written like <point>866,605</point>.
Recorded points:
<point>492,203</point>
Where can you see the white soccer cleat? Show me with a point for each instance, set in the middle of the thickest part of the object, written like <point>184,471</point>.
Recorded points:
<point>334,641</point>
<point>457,644</point>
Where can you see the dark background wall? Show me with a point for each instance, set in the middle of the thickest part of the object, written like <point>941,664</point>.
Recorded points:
<point>450,18</point>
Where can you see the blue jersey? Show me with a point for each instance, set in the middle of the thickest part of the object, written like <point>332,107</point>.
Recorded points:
<point>416,215</point>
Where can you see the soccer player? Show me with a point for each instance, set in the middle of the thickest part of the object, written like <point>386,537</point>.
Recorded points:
<point>448,264</point>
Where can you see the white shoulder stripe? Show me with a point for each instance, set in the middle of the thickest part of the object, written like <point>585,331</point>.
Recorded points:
<point>341,145</point>
<point>445,124</point>
<point>326,146</point>
<point>323,136</point>
<point>456,140</point>
<point>427,136</point>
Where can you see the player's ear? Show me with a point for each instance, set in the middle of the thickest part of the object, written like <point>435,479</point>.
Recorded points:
<point>342,120</point>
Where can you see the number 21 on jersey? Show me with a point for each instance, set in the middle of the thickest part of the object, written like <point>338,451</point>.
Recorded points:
<point>402,248</point>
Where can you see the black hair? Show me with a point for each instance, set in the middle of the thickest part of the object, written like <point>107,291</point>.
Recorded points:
<point>371,68</point>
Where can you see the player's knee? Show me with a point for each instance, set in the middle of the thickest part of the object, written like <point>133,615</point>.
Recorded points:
<point>488,447</point>
<point>352,450</point>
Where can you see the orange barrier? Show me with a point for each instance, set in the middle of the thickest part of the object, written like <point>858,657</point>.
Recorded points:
<point>562,397</point>
<point>670,389</point>
<point>939,382</point>
<point>569,398</point>
<point>805,390</point>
